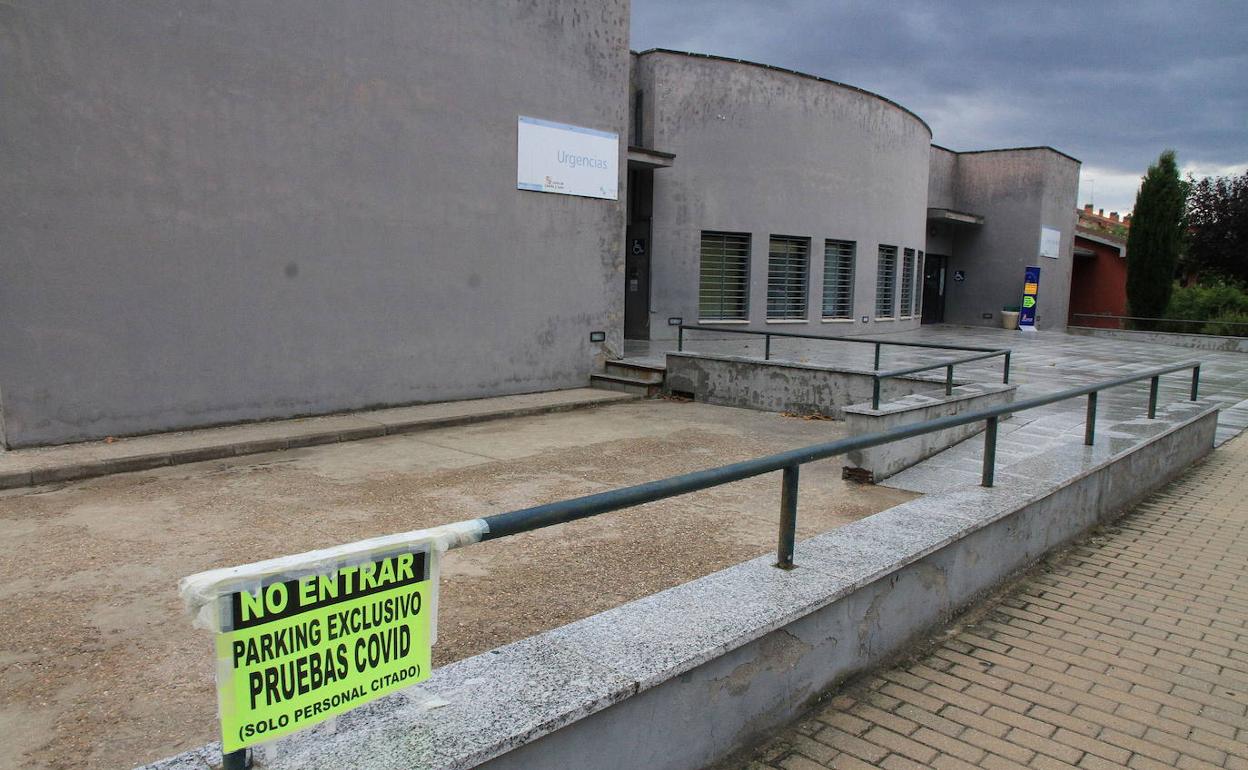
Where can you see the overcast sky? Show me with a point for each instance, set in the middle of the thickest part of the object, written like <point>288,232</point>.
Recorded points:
<point>1111,83</point>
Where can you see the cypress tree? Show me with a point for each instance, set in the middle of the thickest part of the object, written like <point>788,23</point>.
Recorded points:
<point>1155,240</point>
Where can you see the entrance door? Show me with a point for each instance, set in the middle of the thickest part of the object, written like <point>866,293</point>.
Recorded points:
<point>934,288</point>
<point>637,284</point>
<point>637,255</point>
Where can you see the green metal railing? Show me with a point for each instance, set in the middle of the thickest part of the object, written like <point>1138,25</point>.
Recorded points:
<point>525,520</point>
<point>528,519</point>
<point>977,354</point>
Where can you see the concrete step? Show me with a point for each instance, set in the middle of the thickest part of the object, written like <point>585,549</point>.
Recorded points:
<point>646,372</point>
<point>625,384</point>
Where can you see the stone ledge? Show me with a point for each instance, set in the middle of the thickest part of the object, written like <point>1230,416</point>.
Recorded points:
<point>543,700</point>
<point>784,386</point>
<point>874,464</point>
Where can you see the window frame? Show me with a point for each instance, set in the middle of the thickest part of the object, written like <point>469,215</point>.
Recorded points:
<point>918,285</point>
<point>791,289</point>
<point>905,304</point>
<point>886,282</point>
<point>741,255</point>
<point>845,250</point>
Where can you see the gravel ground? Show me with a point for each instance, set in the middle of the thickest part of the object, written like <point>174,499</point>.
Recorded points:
<point>100,667</point>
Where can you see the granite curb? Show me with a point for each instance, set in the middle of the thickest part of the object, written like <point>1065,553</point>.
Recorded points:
<point>339,428</point>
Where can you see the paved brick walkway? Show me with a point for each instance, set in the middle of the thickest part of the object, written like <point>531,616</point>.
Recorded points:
<point>1131,651</point>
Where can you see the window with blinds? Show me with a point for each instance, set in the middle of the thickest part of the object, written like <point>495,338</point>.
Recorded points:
<point>918,285</point>
<point>788,275</point>
<point>838,279</point>
<point>724,281</point>
<point>886,282</point>
<point>907,283</point>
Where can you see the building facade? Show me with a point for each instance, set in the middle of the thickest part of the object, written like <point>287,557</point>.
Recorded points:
<point>988,216</point>
<point>1098,281</point>
<point>212,214</point>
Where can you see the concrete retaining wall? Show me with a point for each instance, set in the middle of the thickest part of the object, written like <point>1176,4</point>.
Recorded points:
<point>678,679</point>
<point>1197,341</point>
<point>878,463</point>
<point>781,386</point>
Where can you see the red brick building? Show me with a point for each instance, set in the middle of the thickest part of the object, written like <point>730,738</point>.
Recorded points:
<point>1098,281</point>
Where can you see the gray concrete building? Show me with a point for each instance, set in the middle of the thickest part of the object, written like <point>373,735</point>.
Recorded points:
<point>217,212</point>
<point>785,193</point>
<point>986,214</point>
<point>214,213</point>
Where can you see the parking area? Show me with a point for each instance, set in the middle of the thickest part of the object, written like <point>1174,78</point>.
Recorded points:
<point>100,667</point>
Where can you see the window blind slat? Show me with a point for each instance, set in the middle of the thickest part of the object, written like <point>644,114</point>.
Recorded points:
<point>788,275</point>
<point>907,283</point>
<point>838,279</point>
<point>723,288</point>
<point>886,282</point>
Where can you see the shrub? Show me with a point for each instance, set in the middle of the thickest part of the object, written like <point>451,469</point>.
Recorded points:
<point>1219,303</point>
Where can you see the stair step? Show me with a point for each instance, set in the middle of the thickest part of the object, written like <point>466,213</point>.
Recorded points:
<point>624,384</point>
<point>645,372</point>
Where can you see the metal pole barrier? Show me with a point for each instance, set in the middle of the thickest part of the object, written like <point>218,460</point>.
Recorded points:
<point>1152,396</point>
<point>1005,375</point>
<point>949,380</point>
<point>875,392</point>
<point>680,338</point>
<point>766,347</point>
<point>990,451</point>
<point>877,356</point>
<point>236,760</point>
<point>1089,425</point>
<point>788,517</point>
<point>1195,381</point>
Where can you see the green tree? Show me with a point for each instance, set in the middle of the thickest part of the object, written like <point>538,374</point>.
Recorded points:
<point>1155,240</point>
<point>1217,228</point>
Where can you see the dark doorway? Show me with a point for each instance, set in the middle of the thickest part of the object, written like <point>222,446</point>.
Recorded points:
<point>934,288</point>
<point>637,256</point>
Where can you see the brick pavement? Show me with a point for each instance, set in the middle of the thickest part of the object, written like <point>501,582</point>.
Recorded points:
<point>1128,650</point>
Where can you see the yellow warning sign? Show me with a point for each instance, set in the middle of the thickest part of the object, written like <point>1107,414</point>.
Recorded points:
<point>299,651</point>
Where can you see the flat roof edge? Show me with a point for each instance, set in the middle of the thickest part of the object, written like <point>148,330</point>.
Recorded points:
<point>787,71</point>
<point>1015,149</point>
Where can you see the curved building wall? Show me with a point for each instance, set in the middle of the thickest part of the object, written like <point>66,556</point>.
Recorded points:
<point>770,152</point>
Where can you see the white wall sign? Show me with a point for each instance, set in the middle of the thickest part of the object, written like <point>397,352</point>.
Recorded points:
<point>558,158</point>
<point>1050,242</point>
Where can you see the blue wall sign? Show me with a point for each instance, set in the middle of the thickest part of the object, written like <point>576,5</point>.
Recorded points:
<point>1031,291</point>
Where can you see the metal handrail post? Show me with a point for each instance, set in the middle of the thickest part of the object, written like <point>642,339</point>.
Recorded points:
<point>788,517</point>
<point>949,380</point>
<point>1195,381</point>
<point>680,338</point>
<point>767,347</point>
<point>875,392</point>
<point>1153,385</point>
<point>1005,373</point>
<point>1089,424</point>
<point>990,451</point>
<point>877,356</point>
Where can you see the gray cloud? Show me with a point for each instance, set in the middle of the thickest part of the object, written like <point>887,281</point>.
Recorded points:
<point>1112,83</point>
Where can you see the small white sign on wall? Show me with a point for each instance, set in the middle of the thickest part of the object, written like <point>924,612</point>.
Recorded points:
<point>1050,242</point>
<point>572,160</point>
